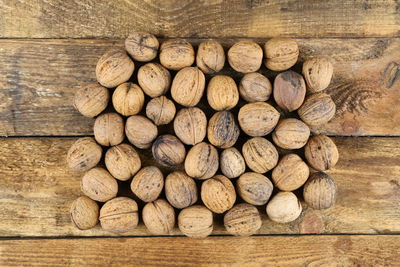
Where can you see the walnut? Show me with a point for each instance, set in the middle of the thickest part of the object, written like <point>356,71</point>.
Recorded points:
<point>84,154</point>
<point>232,163</point>
<point>289,90</point>
<point>245,56</point>
<point>222,93</point>
<point>168,150</point>
<point>122,161</point>
<point>254,188</point>
<point>148,183</point>
<point>210,57</point>
<point>180,190</point>
<point>91,99</point>
<point>159,217</point>
<point>242,220</point>
<point>175,54</point>
<point>258,118</point>
<point>160,110</point>
<point>281,53</point>
<point>222,130</point>
<point>202,161</point>
<point>317,109</point>
<point>84,213</point>
<point>321,153</point>
<point>290,173</point>
<point>190,125</point>
<point>154,79</point>
<point>255,87</point>
<point>291,134</point>
<point>196,221</point>
<point>188,86</point>
<point>284,207</point>
<point>260,154</point>
<point>318,73</point>
<point>320,191</point>
<point>119,215</point>
<point>109,129</point>
<point>142,46</point>
<point>99,185</point>
<point>140,131</point>
<point>128,99</point>
<point>218,194</point>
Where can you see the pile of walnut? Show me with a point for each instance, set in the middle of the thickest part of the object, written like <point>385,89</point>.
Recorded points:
<point>215,176</point>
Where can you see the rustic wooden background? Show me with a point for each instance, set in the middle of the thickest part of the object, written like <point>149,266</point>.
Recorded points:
<point>49,48</point>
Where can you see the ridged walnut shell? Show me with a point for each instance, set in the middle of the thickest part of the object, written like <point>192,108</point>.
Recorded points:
<point>202,161</point>
<point>128,99</point>
<point>245,56</point>
<point>291,134</point>
<point>254,188</point>
<point>91,99</point>
<point>321,153</point>
<point>242,220</point>
<point>320,191</point>
<point>188,86</point>
<point>281,53</point>
<point>84,213</point>
<point>99,185</point>
<point>119,215</point>
<point>168,150</point>
<point>175,54</point>
<point>222,93</point>
<point>218,194</point>
<point>290,173</point>
<point>122,161</point>
<point>258,118</point>
<point>140,131</point>
<point>159,217</point>
<point>196,221</point>
<point>318,73</point>
<point>190,125</point>
<point>142,46</point>
<point>255,87</point>
<point>317,109</point>
<point>210,57</point>
<point>154,79</point>
<point>84,154</point>
<point>284,207</point>
<point>289,90</point>
<point>232,163</point>
<point>260,154</point>
<point>222,130</point>
<point>148,183</point>
<point>109,129</point>
<point>160,110</point>
<point>180,190</point>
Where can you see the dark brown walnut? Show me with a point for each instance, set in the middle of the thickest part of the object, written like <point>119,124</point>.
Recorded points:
<point>188,86</point>
<point>122,161</point>
<point>128,99</point>
<point>222,130</point>
<point>83,155</point>
<point>160,110</point>
<point>114,67</point>
<point>159,217</point>
<point>254,188</point>
<point>242,220</point>
<point>289,90</point>
<point>318,73</point>
<point>142,46</point>
<point>290,173</point>
<point>281,53</point>
<point>218,194</point>
<point>320,191</point>
<point>99,185</point>
<point>258,118</point>
<point>84,213</point>
<point>291,134</point>
<point>148,183</point>
<point>321,153</point>
<point>168,150</point>
<point>190,125</point>
<point>91,99</point>
<point>154,79</point>
<point>175,54</point>
<point>109,129</point>
<point>255,87</point>
<point>232,163</point>
<point>210,57</point>
<point>317,109</point>
<point>284,207</point>
<point>245,56</point>
<point>180,190</point>
<point>119,215</point>
<point>260,154</point>
<point>140,131</point>
<point>196,221</point>
<point>222,93</point>
<point>202,161</point>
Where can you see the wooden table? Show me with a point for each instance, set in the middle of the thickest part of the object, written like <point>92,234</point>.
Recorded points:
<point>48,49</point>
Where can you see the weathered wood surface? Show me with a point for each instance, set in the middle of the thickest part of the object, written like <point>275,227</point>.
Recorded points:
<point>38,79</point>
<point>36,190</point>
<point>217,18</point>
<point>215,251</point>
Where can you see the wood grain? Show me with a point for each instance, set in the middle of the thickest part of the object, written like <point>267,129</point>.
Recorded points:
<point>216,251</point>
<point>36,191</point>
<point>38,79</point>
<point>217,18</point>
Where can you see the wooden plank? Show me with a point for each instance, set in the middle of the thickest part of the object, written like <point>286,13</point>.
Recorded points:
<point>217,18</point>
<point>38,79</point>
<point>36,191</point>
<point>216,251</point>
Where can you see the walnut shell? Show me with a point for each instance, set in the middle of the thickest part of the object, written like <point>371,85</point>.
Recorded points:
<point>190,125</point>
<point>222,130</point>
<point>84,213</point>
<point>202,161</point>
<point>289,90</point>
<point>128,99</point>
<point>168,150</point>
<point>119,215</point>
<point>84,154</point>
<point>148,183</point>
<point>284,207</point>
<point>290,173</point>
<point>218,194</point>
<point>188,86</point>
<point>222,93</point>
<point>320,191</point>
<point>291,134</point>
<point>210,57</point>
<point>245,56</point>
<point>114,67</point>
<point>242,220</point>
<point>91,99</point>
<point>140,131</point>
<point>159,217</point>
<point>260,154</point>
<point>180,190</point>
<point>142,46</point>
<point>321,153</point>
<point>258,118</point>
<point>255,87</point>
<point>99,185</point>
<point>109,129</point>
<point>154,79</point>
<point>175,54</point>
<point>160,110</point>
<point>196,221</point>
<point>254,188</point>
<point>281,53</point>
<point>122,161</point>
<point>318,73</point>
<point>232,163</point>
<point>317,109</point>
